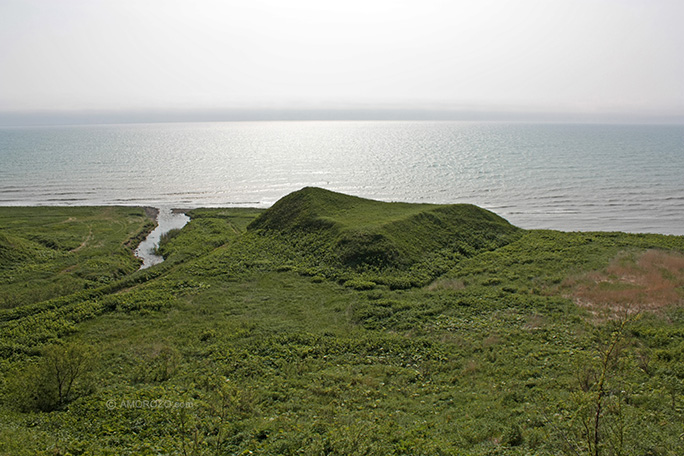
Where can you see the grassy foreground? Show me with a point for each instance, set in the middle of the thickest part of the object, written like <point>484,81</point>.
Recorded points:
<point>334,325</point>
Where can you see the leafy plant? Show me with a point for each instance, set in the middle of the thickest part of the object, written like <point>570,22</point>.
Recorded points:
<point>60,376</point>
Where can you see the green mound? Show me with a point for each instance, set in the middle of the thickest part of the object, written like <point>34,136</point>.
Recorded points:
<point>360,233</point>
<point>14,250</point>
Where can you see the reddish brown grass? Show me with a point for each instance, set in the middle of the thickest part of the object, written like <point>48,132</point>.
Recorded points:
<point>631,284</point>
<point>446,284</point>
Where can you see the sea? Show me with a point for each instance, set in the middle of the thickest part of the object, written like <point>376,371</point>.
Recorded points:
<point>570,177</point>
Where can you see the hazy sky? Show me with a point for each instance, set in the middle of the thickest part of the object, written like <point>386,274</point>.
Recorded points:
<point>544,55</point>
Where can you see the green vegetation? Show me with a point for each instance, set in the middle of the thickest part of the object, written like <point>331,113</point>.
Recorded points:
<point>52,251</point>
<point>362,241</point>
<point>330,324</point>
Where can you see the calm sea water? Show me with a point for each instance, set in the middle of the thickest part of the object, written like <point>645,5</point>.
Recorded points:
<point>560,176</point>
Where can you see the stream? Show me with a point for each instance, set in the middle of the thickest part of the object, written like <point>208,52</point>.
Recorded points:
<point>167,220</point>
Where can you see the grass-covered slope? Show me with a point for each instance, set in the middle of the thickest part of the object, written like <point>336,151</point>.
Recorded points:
<point>49,252</point>
<point>355,232</point>
<point>245,342</point>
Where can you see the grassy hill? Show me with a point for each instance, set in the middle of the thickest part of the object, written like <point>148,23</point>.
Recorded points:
<point>331,324</point>
<point>364,242</point>
<point>360,233</point>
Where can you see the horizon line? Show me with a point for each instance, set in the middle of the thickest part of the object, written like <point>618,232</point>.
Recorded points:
<point>30,118</point>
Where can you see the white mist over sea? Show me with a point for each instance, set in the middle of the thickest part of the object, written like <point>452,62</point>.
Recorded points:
<point>559,176</point>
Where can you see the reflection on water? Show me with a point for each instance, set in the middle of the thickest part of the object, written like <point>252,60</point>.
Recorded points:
<point>167,220</point>
<point>557,176</point>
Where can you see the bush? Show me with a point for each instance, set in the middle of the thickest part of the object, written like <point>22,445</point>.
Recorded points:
<point>358,284</point>
<point>61,375</point>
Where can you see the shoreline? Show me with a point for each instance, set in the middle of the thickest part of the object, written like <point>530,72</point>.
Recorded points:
<point>552,224</point>
<point>151,212</point>
<point>530,218</point>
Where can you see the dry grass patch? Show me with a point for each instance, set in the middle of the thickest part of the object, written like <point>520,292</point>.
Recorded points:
<point>535,321</point>
<point>631,283</point>
<point>446,284</point>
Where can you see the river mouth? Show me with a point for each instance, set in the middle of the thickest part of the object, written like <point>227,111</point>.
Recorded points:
<point>167,220</point>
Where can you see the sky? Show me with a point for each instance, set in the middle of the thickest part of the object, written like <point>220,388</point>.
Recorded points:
<point>578,57</point>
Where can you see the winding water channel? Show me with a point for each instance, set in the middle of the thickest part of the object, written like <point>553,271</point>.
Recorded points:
<point>167,220</point>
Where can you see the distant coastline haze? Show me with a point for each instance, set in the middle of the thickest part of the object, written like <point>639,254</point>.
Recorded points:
<point>74,62</point>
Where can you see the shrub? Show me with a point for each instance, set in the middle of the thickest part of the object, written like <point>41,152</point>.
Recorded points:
<point>358,284</point>
<point>61,375</point>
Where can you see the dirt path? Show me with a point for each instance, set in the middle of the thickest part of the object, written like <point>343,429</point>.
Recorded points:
<point>85,241</point>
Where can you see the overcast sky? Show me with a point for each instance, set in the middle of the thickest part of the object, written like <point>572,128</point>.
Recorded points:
<point>624,56</point>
